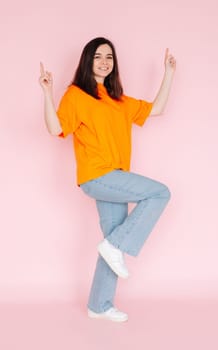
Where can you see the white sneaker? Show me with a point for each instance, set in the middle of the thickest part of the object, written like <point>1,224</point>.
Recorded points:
<point>112,315</point>
<point>114,258</point>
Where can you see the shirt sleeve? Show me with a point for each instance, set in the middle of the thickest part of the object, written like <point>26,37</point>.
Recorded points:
<point>138,110</point>
<point>67,115</point>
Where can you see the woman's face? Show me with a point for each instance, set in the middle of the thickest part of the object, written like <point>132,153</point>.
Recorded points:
<point>102,63</point>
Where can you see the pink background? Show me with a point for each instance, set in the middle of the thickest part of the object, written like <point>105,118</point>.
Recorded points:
<point>49,228</point>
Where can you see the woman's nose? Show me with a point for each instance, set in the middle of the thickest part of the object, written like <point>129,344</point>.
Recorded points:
<point>104,60</point>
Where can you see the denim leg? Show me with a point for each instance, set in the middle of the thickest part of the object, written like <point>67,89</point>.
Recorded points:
<point>104,283</point>
<point>130,236</point>
<point>122,187</point>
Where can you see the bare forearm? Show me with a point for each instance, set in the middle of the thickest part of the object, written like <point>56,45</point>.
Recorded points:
<point>51,118</point>
<point>163,93</point>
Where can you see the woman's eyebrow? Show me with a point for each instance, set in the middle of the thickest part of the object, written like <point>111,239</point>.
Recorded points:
<point>108,54</point>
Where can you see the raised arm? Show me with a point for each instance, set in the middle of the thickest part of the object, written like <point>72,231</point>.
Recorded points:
<point>160,100</point>
<point>51,118</point>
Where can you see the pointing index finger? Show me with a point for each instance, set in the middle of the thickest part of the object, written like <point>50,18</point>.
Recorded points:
<point>42,68</point>
<point>167,52</point>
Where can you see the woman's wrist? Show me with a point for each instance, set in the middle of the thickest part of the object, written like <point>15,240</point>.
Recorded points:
<point>169,71</point>
<point>48,94</point>
<point>169,74</point>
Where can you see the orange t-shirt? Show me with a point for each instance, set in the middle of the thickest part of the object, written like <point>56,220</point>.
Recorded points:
<point>101,129</point>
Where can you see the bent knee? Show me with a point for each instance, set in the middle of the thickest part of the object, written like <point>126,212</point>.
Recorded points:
<point>166,192</point>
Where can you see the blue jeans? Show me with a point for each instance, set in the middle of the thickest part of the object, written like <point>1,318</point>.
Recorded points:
<point>112,193</point>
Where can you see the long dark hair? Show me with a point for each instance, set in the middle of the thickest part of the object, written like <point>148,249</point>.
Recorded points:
<point>84,77</point>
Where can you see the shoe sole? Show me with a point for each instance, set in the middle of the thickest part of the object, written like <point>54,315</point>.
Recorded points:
<point>102,317</point>
<point>108,261</point>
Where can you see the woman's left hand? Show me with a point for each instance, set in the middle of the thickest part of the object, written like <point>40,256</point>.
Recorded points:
<point>169,61</point>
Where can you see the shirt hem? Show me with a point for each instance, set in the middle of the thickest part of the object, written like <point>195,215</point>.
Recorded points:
<point>98,174</point>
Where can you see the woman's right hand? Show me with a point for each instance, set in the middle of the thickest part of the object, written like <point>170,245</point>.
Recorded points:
<point>45,79</point>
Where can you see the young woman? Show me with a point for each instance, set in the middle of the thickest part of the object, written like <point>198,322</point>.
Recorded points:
<point>96,112</point>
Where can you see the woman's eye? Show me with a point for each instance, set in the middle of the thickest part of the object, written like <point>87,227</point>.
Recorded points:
<point>108,58</point>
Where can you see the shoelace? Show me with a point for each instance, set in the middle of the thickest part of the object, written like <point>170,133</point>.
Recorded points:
<point>113,310</point>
